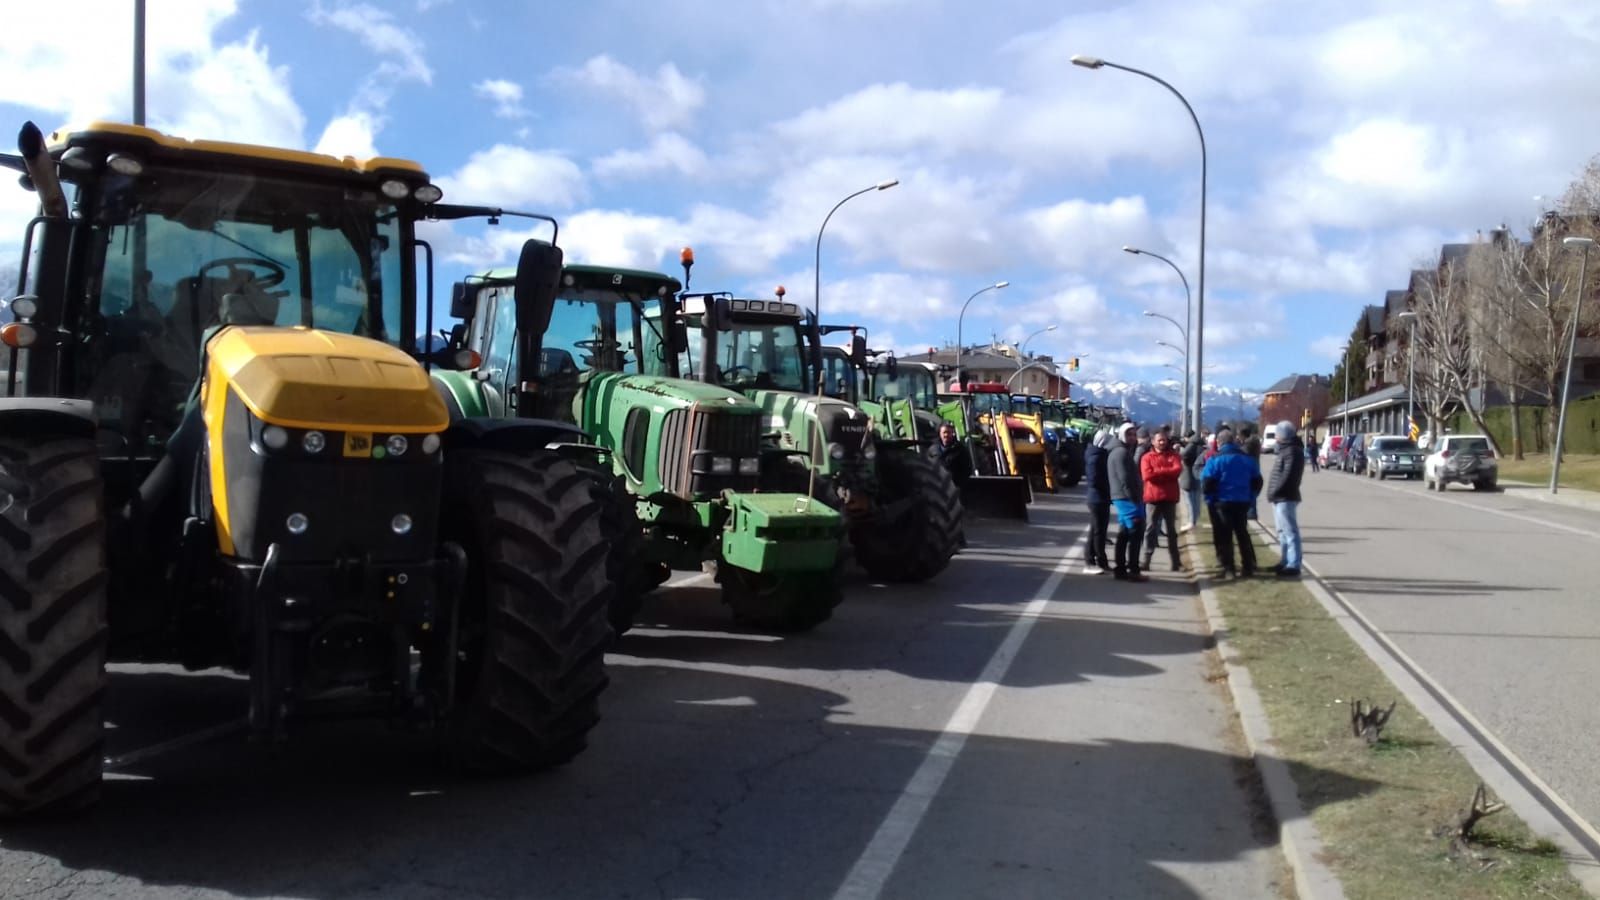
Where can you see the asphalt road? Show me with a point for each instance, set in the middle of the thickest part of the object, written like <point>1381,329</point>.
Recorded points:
<point>1495,595</point>
<point>1011,729</point>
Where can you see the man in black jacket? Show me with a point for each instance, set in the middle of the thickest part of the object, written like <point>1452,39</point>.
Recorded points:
<point>1283,492</point>
<point>953,455</point>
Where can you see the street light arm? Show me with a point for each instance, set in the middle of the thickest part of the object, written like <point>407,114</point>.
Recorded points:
<point>816,270</point>
<point>960,374</point>
<point>1175,323</point>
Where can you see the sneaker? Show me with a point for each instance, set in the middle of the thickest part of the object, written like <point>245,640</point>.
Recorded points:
<point>1228,573</point>
<point>1185,529</point>
<point>1119,574</point>
<point>1288,573</point>
<point>1104,570</point>
<point>1139,577</point>
<point>1091,569</point>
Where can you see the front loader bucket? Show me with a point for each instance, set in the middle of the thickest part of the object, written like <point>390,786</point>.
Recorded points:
<point>996,496</point>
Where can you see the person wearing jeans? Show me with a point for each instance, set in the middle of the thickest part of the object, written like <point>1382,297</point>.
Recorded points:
<point>1097,496</point>
<point>1159,469</point>
<point>1231,480</point>
<point>1189,482</point>
<point>1127,495</point>
<point>1283,492</point>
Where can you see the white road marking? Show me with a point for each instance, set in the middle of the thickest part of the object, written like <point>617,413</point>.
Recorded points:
<point>1489,509</point>
<point>871,872</point>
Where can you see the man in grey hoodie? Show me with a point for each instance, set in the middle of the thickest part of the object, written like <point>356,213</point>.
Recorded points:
<point>1283,492</point>
<point>1127,495</point>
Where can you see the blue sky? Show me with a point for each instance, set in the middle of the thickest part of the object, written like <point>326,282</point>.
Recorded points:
<point>1345,144</point>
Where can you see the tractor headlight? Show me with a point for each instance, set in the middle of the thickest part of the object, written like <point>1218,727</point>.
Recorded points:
<point>297,523</point>
<point>313,442</point>
<point>750,465</point>
<point>722,465</point>
<point>274,438</point>
<point>836,450</point>
<point>870,452</point>
<point>397,445</point>
<point>430,444</point>
<point>395,189</point>
<point>400,524</point>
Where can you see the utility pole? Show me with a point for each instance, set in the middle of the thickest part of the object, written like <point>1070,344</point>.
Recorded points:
<point>138,62</point>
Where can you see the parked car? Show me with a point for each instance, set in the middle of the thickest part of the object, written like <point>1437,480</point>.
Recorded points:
<point>1464,458</point>
<point>1354,458</point>
<point>1269,439</point>
<point>1393,454</point>
<point>1332,451</point>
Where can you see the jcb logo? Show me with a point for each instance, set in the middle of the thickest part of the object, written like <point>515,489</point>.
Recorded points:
<point>358,443</point>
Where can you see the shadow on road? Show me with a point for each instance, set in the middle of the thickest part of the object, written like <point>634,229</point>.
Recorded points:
<point>1422,587</point>
<point>698,784</point>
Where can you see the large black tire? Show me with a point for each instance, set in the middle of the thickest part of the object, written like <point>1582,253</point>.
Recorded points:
<point>619,524</point>
<point>52,624</point>
<point>534,627</point>
<point>785,601</point>
<point>919,544</point>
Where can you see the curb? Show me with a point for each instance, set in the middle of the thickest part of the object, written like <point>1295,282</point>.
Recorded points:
<point>1302,845</point>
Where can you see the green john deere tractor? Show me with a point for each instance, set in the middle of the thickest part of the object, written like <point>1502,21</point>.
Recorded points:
<point>219,447</point>
<point>902,512</point>
<point>686,459</point>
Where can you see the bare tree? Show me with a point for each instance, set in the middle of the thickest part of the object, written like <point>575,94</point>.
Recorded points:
<point>1449,373</point>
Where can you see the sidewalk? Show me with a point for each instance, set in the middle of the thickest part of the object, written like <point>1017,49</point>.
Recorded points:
<point>1574,497</point>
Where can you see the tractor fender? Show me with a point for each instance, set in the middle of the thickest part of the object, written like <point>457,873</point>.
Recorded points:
<point>509,434</point>
<point>55,415</point>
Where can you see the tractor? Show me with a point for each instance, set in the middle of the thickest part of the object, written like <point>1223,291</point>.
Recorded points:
<point>902,513</point>
<point>220,447</point>
<point>686,459</point>
<point>980,414</point>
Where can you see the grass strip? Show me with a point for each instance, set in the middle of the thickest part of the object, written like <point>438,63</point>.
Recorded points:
<point>1385,813</point>
<point>1578,470</point>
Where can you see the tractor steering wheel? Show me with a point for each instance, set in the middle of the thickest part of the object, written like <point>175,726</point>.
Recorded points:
<point>239,265</point>
<point>597,346</point>
<point>726,375</point>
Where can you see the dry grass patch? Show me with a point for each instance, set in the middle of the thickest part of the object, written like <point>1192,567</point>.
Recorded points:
<point>1387,811</point>
<point>1578,470</point>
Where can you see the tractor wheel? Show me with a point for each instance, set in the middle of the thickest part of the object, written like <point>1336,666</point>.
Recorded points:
<point>52,624</point>
<point>917,545</point>
<point>619,523</point>
<point>1071,472</point>
<point>533,624</point>
<point>786,601</point>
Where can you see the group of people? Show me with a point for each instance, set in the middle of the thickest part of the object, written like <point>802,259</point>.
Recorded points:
<point>1144,476</point>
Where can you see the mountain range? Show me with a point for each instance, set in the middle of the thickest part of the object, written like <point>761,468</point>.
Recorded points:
<point>1159,401</point>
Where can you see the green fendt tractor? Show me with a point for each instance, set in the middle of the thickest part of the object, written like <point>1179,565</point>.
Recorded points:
<point>901,398</point>
<point>902,512</point>
<point>696,483</point>
<point>219,446</point>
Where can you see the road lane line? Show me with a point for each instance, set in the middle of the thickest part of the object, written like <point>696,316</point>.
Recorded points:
<point>1489,509</point>
<point>871,872</point>
<point>1583,836</point>
<point>112,763</point>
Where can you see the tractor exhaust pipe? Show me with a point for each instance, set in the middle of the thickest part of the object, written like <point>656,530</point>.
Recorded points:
<point>41,171</point>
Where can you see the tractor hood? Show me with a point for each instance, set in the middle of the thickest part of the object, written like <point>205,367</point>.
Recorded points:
<point>305,378</point>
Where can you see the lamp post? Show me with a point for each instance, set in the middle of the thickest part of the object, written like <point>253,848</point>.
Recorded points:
<point>1345,428</point>
<point>816,284</point>
<point>1198,330</point>
<point>1188,318</point>
<point>1411,366</point>
<point>1024,346</point>
<point>961,374</point>
<point>1572,350</point>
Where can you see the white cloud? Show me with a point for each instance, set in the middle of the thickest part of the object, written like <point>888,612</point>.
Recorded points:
<point>1075,232</point>
<point>890,118</point>
<point>506,96</point>
<point>669,152</point>
<point>510,176</point>
<point>378,32</point>
<point>352,134</point>
<point>1329,347</point>
<point>620,239</point>
<point>668,100</point>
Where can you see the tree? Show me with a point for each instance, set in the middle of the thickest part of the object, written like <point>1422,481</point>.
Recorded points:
<point>1355,356</point>
<point>1448,370</point>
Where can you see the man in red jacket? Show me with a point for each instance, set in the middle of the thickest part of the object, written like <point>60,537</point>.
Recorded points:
<point>1160,468</point>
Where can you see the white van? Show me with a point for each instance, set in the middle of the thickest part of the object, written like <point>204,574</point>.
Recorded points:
<point>1269,439</point>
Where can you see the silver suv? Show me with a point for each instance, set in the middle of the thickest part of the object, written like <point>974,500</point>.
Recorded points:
<point>1392,454</point>
<point>1462,458</point>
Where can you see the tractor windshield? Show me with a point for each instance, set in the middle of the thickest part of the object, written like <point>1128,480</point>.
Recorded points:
<point>178,252</point>
<point>912,383</point>
<point>762,355</point>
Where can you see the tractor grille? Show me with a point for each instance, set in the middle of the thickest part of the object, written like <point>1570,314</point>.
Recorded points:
<point>692,438</point>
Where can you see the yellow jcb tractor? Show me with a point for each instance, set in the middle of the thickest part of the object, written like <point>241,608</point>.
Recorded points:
<point>220,446</point>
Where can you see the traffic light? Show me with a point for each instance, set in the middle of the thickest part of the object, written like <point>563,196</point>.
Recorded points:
<point>1074,366</point>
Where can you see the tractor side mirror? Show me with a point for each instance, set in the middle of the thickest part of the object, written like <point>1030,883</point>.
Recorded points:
<point>538,278</point>
<point>461,300</point>
<point>720,314</point>
<point>678,336</point>
<point>858,350</point>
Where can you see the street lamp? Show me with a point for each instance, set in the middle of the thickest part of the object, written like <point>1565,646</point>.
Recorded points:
<point>1024,346</point>
<point>1180,352</point>
<point>816,285</point>
<point>1345,429</point>
<point>1572,349</point>
<point>1198,330</point>
<point>1188,317</point>
<point>1411,367</point>
<point>961,375</point>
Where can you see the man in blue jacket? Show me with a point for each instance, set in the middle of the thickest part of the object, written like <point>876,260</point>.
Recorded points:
<point>1231,480</point>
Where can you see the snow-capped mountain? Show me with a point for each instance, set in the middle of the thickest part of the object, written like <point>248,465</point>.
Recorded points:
<point>1159,401</point>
